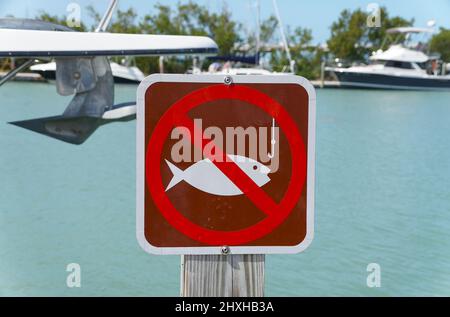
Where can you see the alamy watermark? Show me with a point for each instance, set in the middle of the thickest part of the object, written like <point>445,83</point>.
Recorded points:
<point>73,19</point>
<point>260,144</point>
<point>374,276</point>
<point>74,277</point>
<point>374,17</point>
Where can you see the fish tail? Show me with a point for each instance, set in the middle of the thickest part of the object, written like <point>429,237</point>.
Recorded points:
<point>177,175</point>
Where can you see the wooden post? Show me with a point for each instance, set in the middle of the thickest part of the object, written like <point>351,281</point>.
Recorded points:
<point>222,275</point>
<point>161,64</point>
<point>322,74</point>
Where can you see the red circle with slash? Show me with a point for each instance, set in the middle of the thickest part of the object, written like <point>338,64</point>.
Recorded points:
<point>176,116</point>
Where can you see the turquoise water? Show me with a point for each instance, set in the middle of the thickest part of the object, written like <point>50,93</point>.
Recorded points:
<point>383,196</point>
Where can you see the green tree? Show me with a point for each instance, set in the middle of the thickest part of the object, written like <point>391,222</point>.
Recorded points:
<point>268,29</point>
<point>224,31</point>
<point>307,57</point>
<point>125,22</point>
<point>352,39</point>
<point>267,33</point>
<point>346,34</point>
<point>440,43</point>
<point>193,19</point>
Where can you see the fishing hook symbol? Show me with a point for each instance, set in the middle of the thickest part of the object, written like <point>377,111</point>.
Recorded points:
<point>271,155</point>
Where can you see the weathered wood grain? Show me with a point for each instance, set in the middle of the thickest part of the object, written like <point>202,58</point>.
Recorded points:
<point>222,275</point>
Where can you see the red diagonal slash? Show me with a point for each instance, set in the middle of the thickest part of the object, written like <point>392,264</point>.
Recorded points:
<point>234,173</point>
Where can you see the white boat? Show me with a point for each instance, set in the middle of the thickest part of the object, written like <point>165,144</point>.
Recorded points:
<point>398,67</point>
<point>122,74</point>
<point>229,69</point>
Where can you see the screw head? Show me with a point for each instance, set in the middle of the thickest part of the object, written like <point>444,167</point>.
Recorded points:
<point>228,80</point>
<point>225,250</point>
<point>76,75</point>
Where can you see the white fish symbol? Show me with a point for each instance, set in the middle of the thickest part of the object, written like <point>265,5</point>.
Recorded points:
<point>205,176</point>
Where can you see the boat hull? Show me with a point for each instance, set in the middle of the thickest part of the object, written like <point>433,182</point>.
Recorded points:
<point>383,81</point>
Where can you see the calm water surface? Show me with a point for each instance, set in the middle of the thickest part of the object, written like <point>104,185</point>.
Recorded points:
<point>383,196</point>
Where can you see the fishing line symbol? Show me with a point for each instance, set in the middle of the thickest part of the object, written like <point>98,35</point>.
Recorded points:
<point>271,155</point>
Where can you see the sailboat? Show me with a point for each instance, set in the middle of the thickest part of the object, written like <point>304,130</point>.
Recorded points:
<point>244,64</point>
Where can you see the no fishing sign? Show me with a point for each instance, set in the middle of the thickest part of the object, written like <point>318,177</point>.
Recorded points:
<point>225,164</point>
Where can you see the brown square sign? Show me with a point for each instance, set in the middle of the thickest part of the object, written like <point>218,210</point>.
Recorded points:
<point>225,164</point>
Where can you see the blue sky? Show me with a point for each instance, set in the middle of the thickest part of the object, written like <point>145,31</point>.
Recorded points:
<point>316,15</point>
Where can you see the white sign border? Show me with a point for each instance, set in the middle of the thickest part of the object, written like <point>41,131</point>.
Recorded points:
<point>140,162</point>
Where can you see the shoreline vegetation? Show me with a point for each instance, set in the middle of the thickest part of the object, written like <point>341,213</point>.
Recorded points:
<point>350,39</point>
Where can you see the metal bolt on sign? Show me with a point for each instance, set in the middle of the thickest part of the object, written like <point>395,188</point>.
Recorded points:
<point>228,80</point>
<point>225,250</point>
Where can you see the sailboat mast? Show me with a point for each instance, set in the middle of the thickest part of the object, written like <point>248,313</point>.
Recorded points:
<point>283,37</point>
<point>258,30</point>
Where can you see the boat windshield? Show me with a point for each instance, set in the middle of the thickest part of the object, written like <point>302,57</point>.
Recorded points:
<point>399,64</point>
<point>422,65</point>
<point>412,38</point>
